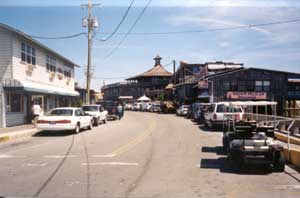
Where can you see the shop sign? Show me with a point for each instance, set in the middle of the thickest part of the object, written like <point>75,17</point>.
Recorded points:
<point>203,84</point>
<point>246,95</point>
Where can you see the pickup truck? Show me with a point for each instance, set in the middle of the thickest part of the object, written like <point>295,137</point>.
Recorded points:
<point>98,113</point>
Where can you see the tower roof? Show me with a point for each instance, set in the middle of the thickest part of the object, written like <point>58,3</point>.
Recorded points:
<point>157,71</point>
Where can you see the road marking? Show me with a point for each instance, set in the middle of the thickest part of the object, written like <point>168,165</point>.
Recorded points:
<point>59,156</point>
<point>104,156</point>
<point>10,156</point>
<point>35,164</point>
<point>135,141</point>
<point>110,164</point>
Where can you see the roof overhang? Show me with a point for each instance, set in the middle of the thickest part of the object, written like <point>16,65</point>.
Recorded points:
<point>38,88</point>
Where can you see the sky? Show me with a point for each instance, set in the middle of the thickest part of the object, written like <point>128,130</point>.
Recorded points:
<point>272,47</point>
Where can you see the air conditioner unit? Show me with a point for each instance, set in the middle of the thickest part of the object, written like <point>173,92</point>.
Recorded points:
<point>30,68</point>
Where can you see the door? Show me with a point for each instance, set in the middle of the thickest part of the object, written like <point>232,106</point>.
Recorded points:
<point>85,119</point>
<point>38,99</point>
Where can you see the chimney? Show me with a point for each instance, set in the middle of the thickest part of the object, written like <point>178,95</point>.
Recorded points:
<point>157,60</point>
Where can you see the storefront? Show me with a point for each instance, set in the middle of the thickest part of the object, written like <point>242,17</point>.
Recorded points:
<point>258,84</point>
<point>18,99</point>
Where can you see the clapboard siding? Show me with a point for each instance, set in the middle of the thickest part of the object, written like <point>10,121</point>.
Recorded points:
<point>5,54</point>
<point>39,73</point>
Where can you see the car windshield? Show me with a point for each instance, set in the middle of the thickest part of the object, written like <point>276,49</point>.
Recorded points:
<point>61,112</point>
<point>90,108</point>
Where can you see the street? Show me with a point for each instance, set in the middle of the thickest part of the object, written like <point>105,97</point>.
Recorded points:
<point>142,155</point>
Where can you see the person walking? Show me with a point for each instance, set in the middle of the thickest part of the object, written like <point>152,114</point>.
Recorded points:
<point>120,111</point>
<point>36,111</point>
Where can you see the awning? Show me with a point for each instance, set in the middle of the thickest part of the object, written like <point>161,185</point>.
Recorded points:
<point>38,88</point>
<point>47,89</point>
<point>294,80</point>
<point>126,97</point>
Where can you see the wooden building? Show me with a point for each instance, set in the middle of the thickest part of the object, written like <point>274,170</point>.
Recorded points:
<point>150,83</point>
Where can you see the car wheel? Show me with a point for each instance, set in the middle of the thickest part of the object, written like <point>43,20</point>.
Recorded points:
<point>77,128</point>
<point>97,123</point>
<point>90,127</point>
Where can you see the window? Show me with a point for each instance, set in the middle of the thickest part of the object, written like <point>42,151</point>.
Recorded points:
<point>226,86</point>
<point>51,63</point>
<point>14,102</point>
<point>28,54</point>
<point>258,85</point>
<point>67,74</point>
<point>266,85</point>
<point>242,86</point>
<point>262,85</point>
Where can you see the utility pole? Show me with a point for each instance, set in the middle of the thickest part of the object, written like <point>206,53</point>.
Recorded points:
<point>91,23</point>
<point>174,72</point>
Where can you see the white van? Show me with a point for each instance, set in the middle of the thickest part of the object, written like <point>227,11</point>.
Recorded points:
<point>216,111</point>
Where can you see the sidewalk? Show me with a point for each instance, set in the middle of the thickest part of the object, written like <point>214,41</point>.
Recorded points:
<point>10,133</point>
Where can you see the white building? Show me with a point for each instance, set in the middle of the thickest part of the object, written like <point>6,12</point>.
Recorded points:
<point>31,72</point>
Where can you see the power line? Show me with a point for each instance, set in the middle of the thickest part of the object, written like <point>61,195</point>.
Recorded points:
<point>130,30</point>
<point>210,30</point>
<point>122,20</point>
<point>58,37</point>
<point>172,32</point>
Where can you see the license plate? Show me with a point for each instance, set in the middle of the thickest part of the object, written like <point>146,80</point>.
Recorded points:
<point>51,122</point>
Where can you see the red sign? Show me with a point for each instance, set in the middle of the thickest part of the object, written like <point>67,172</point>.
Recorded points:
<point>203,84</point>
<point>246,95</point>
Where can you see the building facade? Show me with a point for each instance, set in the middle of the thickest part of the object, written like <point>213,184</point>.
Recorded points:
<point>258,84</point>
<point>31,73</point>
<point>151,83</point>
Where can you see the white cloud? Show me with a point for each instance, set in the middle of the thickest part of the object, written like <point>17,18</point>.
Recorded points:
<point>209,23</point>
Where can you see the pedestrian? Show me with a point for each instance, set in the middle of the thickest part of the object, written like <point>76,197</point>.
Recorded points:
<point>36,111</point>
<point>120,111</point>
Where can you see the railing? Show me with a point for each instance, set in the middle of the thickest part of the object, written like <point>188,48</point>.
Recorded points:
<point>284,125</point>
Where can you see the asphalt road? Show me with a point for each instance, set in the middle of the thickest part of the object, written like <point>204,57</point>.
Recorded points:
<point>143,155</point>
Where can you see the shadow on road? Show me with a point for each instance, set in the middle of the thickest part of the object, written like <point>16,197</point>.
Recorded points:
<point>53,133</point>
<point>226,165</point>
<point>207,129</point>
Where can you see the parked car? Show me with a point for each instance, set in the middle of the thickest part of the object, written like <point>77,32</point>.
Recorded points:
<point>111,107</point>
<point>128,106</point>
<point>66,118</point>
<point>183,110</point>
<point>98,113</point>
<point>137,106</point>
<point>216,113</point>
<point>155,108</point>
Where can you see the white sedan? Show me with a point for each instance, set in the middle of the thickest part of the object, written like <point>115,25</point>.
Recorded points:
<point>65,118</point>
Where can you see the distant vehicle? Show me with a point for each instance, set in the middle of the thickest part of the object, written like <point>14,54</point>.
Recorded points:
<point>128,106</point>
<point>198,110</point>
<point>183,110</point>
<point>155,108</point>
<point>137,106</point>
<point>60,119</point>
<point>216,112</point>
<point>111,108</point>
<point>98,113</point>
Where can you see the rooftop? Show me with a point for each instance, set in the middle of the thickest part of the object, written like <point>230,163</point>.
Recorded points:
<point>26,36</point>
<point>157,71</point>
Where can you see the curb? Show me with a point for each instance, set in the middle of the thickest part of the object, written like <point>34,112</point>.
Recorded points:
<point>294,157</point>
<point>283,137</point>
<point>16,135</point>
